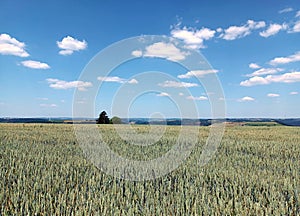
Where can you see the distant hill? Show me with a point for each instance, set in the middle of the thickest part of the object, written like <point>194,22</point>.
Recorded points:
<point>289,122</point>
<point>24,120</point>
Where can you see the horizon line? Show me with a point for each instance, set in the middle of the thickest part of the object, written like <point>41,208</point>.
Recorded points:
<point>90,118</point>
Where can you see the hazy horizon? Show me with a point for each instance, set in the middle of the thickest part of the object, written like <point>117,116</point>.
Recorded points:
<point>90,118</point>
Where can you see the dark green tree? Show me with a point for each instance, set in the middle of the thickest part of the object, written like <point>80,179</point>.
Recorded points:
<point>103,118</point>
<point>116,120</point>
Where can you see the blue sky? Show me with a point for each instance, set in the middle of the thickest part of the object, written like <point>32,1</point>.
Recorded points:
<point>253,48</point>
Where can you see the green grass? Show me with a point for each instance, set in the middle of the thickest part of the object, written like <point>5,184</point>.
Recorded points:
<point>255,172</point>
<point>262,124</point>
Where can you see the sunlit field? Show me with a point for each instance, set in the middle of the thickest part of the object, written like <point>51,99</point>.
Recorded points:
<point>256,171</point>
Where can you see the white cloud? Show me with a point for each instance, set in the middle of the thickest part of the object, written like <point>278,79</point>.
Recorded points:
<point>133,81</point>
<point>273,29</point>
<point>70,44</point>
<point>273,95</point>
<point>286,10</point>
<point>61,84</point>
<point>282,78</point>
<point>247,98</point>
<point>197,73</point>
<point>48,105</point>
<point>174,84</point>
<point>11,46</point>
<point>219,30</point>
<point>180,94</point>
<point>165,50</point>
<point>35,64</point>
<point>256,25</point>
<point>285,78</point>
<point>137,53</point>
<point>116,79</point>
<point>235,32</point>
<point>265,71</point>
<point>294,93</point>
<point>285,60</point>
<point>298,14</point>
<point>193,38</point>
<point>200,98</point>
<point>163,94</point>
<point>111,79</point>
<point>296,27</point>
<point>254,66</point>
<point>254,81</point>
<point>66,52</point>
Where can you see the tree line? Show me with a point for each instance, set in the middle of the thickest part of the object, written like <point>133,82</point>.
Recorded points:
<point>103,119</point>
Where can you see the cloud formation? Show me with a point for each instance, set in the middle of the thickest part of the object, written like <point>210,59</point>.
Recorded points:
<point>197,73</point>
<point>296,27</point>
<point>246,98</point>
<point>273,95</point>
<point>11,46</point>
<point>163,94</point>
<point>137,53</point>
<point>162,50</point>
<point>286,10</point>
<point>165,50</point>
<point>285,60</point>
<point>291,77</point>
<point>111,79</point>
<point>265,71</point>
<point>254,66</point>
<point>193,38</point>
<point>133,81</point>
<point>61,84</point>
<point>174,84</point>
<point>70,44</point>
<point>294,93</point>
<point>254,81</point>
<point>273,29</point>
<point>116,79</point>
<point>200,98</point>
<point>35,64</point>
<point>235,32</point>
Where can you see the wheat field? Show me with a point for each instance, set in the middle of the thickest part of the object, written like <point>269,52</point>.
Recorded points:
<point>43,171</point>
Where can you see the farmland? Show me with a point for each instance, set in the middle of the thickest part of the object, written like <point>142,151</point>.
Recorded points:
<point>43,171</point>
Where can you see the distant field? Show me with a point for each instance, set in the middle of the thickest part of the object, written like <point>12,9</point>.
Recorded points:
<point>269,124</point>
<point>255,172</point>
<point>261,124</point>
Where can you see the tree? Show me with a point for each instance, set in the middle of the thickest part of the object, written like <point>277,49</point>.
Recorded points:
<point>116,120</point>
<point>103,118</point>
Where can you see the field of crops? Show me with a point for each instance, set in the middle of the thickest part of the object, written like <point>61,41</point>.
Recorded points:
<point>256,171</point>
